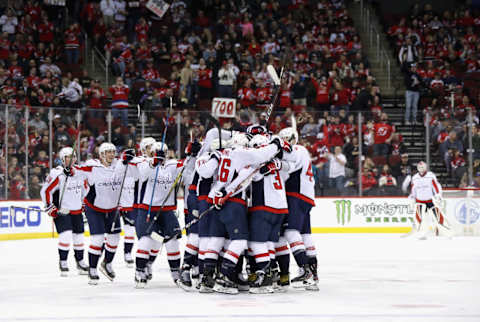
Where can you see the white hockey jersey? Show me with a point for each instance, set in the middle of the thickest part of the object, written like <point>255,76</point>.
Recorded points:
<point>128,199</point>
<point>167,174</point>
<point>72,197</point>
<point>104,185</point>
<point>232,161</point>
<point>301,183</point>
<point>268,193</point>
<point>425,187</point>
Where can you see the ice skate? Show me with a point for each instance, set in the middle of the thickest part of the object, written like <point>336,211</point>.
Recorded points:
<point>107,270</point>
<point>140,279</point>
<point>93,277</point>
<point>148,271</point>
<point>185,280</point>
<point>82,268</point>
<point>207,283</point>
<point>224,285</point>
<point>283,283</point>
<point>129,260</point>
<point>262,283</point>
<point>304,274</point>
<point>63,266</point>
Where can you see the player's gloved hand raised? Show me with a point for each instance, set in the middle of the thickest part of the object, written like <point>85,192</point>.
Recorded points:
<point>281,144</point>
<point>219,198</point>
<point>127,156</point>
<point>68,172</point>
<point>271,167</point>
<point>52,211</point>
<point>193,148</point>
<point>158,158</point>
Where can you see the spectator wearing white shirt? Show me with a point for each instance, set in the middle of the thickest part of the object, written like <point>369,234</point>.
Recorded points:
<point>9,22</point>
<point>47,66</point>
<point>120,11</point>
<point>109,10</point>
<point>226,78</point>
<point>71,92</point>
<point>336,174</point>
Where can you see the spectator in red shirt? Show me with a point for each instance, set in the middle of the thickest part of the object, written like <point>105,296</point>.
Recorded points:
<point>205,84</point>
<point>368,181</point>
<point>383,133</point>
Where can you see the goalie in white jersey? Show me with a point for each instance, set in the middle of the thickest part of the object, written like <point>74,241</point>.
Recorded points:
<point>66,209</point>
<point>426,193</point>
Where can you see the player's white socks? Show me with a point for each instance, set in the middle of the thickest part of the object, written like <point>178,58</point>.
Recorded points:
<point>95,249</point>
<point>173,255</point>
<point>309,245</point>
<point>214,247</point>
<point>78,246</point>
<point>296,246</point>
<point>261,254</point>
<point>64,240</point>
<point>235,249</point>
<point>111,244</point>
<point>129,238</point>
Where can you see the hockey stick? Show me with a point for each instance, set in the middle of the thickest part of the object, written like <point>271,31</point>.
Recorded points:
<point>241,186</point>
<point>156,171</point>
<point>27,208</point>
<point>217,124</point>
<point>121,190</point>
<point>277,80</point>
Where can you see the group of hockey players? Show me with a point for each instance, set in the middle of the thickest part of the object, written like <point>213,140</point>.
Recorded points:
<point>247,202</point>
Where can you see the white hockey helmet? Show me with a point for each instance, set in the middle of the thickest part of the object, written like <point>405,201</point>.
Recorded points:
<point>64,152</point>
<point>157,146</point>
<point>289,135</point>
<point>105,147</point>
<point>215,145</point>
<point>422,167</point>
<point>145,142</point>
<point>258,141</point>
<point>255,129</point>
<point>239,140</point>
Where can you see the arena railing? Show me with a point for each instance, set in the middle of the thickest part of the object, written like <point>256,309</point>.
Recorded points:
<point>33,136</point>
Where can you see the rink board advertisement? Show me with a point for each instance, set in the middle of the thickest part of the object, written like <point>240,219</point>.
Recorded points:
<point>330,215</point>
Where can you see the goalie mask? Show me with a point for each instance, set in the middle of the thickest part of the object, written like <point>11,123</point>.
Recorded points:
<point>289,135</point>
<point>422,168</point>
<point>67,152</point>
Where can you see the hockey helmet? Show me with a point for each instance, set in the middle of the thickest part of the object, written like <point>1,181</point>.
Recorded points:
<point>289,135</point>
<point>144,143</point>
<point>239,140</point>
<point>64,152</point>
<point>105,147</point>
<point>256,129</point>
<point>159,146</point>
<point>422,167</point>
<point>258,141</point>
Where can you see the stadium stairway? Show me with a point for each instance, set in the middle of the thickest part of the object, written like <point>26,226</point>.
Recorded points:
<point>414,140</point>
<point>377,65</point>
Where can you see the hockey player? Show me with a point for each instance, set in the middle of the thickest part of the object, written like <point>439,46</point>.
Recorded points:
<point>231,215</point>
<point>266,215</point>
<point>426,193</point>
<point>100,208</point>
<point>161,219</point>
<point>128,201</point>
<point>190,269</point>
<point>64,205</point>
<point>300,196</point>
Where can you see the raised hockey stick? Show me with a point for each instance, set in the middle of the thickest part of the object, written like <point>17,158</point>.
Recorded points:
<point>156,171</point>
<point>120,194</point>
<point>277,80</point>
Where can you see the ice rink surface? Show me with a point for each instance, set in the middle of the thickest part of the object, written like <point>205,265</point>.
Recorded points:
<point>362,278</point>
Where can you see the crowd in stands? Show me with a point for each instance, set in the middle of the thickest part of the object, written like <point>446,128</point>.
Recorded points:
<point>441,50</point>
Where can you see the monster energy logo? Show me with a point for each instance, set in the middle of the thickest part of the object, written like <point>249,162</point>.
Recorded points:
<point>344,209</point>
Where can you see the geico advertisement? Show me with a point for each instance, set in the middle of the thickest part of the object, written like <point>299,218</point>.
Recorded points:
<point>21,217</point>
<point>362,212</point>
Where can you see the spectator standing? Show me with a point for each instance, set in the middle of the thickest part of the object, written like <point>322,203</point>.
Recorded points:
<point>9,22</point>
<point>412,95</point>
<point>186,80</point>
<point>109,10</point>
<point>119,93</point>
<point>383,134</point>
<point>336,175</point>
<point>226,78</point>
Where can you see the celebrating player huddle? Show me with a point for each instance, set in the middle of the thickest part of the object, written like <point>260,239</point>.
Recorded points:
<point>247,196</point>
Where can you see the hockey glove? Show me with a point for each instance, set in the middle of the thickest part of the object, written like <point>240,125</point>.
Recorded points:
<point>219,198</point>
<point>127,156</point>
<point>52,211</point>
<point>158,158</point>
<point>281,144</point>
<point>271,167</point>
<point>68,172</point>
<point>193,148</point>
<point>63,211</point>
